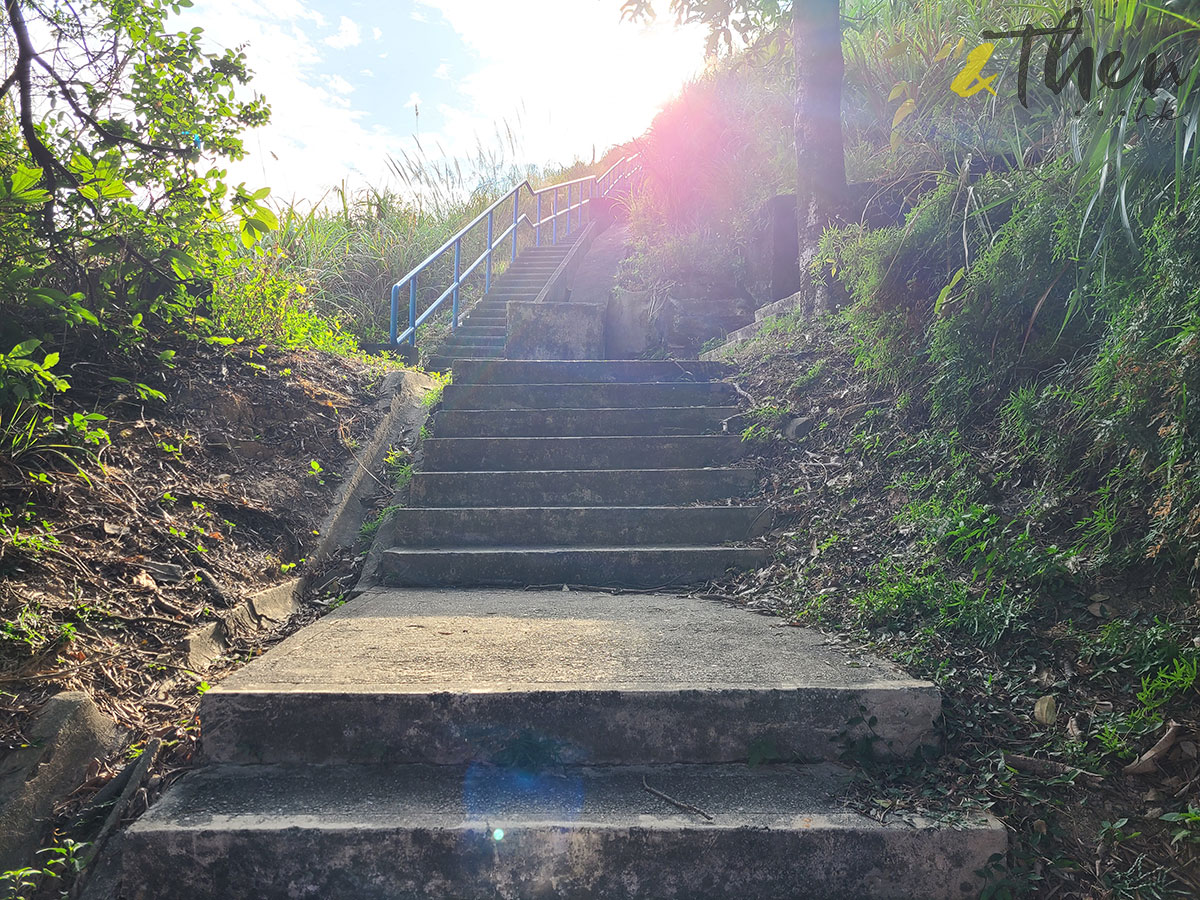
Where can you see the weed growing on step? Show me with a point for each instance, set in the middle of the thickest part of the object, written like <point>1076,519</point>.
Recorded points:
<point>397,462</point>
<point>371,526</point>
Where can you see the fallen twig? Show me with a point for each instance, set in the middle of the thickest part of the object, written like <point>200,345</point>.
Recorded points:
<point>743,394</point>
<point>686,806</point>
<point>1048,767</point>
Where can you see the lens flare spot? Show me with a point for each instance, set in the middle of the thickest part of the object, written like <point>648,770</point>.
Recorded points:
<point>498,834</point>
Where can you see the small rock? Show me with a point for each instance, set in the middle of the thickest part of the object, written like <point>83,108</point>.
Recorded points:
<point>1154,795</point>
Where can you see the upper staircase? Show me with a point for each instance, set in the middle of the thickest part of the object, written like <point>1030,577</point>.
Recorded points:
<point>481,334</point>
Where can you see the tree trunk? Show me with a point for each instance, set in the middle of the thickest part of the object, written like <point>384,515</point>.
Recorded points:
<point>820,159</point>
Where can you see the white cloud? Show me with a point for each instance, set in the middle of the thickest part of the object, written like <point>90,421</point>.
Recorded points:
<point>366,73</point>
<point>316,136</point>
<point>414,100</point>
<point>417,16</point>
<point>442,71</point>
<point>341,88</point>
<point>376,33</point>
<point>348,35</point>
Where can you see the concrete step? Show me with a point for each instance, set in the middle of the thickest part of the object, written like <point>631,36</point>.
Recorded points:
<point>778,308</point>
<point>578,526</point>
<point>519,454</point>
<point>499,313</point>
<point>593,372</point>
<point>479,329</point>
<point>605,566</point>
<point>469,352</point>
<point>541,270</point>
<point>486,323</point>
<point>624,487</point>
<point>440,363</point>
<point>465,395</point>
<point>483,833</point>
<point>523,277</point>
<point>469,338</point>
<point>552,677</point>
<point>746,332</point>
<point>546,248</point>
<point>503,294</point>
<point>581,422</point>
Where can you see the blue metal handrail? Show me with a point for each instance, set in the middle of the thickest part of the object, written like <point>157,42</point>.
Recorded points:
<point>596,187</point>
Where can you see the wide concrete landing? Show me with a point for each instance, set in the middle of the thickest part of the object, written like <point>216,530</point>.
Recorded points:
<point>453,676</point>
<point>450,833</point>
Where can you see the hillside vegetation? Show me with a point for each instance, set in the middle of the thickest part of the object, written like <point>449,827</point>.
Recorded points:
<point>985,460</point>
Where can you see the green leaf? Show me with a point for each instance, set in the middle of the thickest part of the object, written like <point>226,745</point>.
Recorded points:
<point>50,361</point>
<point>268,218</point>
<point>945,292</point>
<point>115,190</point>
<point>24,178</point>
<point>184,264</point>
<point>906,109</point>
<point>25,347</point>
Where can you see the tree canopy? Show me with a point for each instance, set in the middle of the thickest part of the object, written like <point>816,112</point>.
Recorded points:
<point>113,132</point>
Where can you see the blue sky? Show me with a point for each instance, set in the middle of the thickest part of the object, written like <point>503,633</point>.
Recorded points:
<point>351,82</point>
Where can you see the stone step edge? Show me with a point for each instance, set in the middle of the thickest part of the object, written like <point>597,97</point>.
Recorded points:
<point>761,316</point>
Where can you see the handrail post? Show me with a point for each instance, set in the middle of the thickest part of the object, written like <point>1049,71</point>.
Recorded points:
<point>487,271</point>
<point>568,210</point>
<point>454,299</point>
<point>516,219</point>
<point>537,229</point>
<point>394,331</point>
<point>412,311</point>
<point>554,237</point>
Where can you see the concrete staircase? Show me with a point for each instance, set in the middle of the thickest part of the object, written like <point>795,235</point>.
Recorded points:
<point>477,742</point>
<point>585,473</point>
<point>746,332</point>
<point>481,333</point>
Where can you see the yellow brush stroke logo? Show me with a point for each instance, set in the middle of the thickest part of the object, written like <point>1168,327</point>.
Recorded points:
<point>968,82</point>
